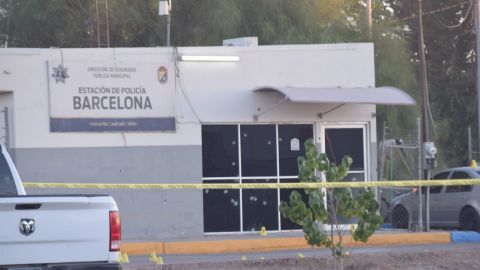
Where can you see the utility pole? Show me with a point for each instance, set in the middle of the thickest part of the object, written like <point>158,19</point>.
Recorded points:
<point>164,9</point>
<point>168,30</point>
<point>369,19</point>
<point>421,49</point>
<point>98,24</point>
<point>418,171</point>
<point>423,67</point>
<point>476,10</point>
<point>469,136</point>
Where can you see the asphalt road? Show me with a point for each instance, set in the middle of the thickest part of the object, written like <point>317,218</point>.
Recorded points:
<point>139,261</point>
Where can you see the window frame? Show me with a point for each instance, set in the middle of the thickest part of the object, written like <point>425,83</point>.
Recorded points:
<point>240,177</point>
<point>441,189</point>
<point>9,187</point>
<point>366,150</point>
<point>458,189</point>
<point>366,147</point>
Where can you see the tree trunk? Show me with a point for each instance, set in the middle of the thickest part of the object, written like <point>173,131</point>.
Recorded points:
<point>338,263</point>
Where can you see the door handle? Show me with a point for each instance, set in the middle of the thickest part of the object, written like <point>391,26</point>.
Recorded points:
<point>28,206</point>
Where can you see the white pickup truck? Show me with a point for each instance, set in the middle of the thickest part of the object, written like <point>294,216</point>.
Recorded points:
<point>55,231</point>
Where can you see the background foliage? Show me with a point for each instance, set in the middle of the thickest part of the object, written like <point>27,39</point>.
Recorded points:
<point>449,43</point>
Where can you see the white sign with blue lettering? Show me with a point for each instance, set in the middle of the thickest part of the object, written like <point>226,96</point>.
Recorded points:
<point>111,96</point>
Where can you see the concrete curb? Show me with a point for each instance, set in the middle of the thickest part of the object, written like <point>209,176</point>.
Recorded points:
<point>465,237</point>
<point>272,244</point>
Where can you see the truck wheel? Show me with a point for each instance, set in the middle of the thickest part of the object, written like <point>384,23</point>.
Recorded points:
<point>469,220</point>
<point>400,217</point>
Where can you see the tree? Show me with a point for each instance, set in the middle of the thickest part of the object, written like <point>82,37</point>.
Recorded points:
<point>315,216</point>
<point>58,23</point>
<point>33,23</point>
<point>449,46</point>
<point>395,66</point>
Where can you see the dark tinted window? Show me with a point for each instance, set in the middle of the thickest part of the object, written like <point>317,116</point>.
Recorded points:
<point>221,208</point>
<point>340,142</point>
<point>459,175</point>
<point>440,176</point>
<point>7,184</point>
<point>220,150</point>
<point>259,150</point>
<point>291,145</point>
<point>260,207</point>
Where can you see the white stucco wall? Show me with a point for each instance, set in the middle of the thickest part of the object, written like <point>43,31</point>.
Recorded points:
<point>217,92</point>
<point>205,92</point>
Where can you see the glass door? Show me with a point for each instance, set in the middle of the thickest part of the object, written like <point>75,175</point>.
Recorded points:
<point>339,141</point>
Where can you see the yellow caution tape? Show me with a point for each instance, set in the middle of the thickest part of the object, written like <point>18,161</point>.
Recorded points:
<point>409,183</point>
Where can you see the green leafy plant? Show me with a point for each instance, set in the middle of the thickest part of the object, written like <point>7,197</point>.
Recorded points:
<point>319,217</point>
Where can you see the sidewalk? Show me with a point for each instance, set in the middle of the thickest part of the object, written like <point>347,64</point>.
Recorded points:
<point>236,243</point>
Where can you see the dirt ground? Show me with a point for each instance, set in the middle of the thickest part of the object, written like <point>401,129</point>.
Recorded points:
<point>427,259</point>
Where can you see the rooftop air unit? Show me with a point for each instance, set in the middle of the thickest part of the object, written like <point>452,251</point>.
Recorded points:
<point>242,41</point>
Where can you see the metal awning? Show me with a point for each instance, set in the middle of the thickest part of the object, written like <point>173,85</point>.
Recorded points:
<point>376,95</point>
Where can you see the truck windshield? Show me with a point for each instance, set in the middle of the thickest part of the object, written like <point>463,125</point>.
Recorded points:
<point>7,184</point>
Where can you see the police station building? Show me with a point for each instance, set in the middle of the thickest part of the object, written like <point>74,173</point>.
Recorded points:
<point>227,114</point>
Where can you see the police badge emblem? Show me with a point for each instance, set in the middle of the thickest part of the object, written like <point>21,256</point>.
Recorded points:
<point>60,74</point>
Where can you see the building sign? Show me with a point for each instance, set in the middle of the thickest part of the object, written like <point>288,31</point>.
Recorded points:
<point>294,144</point>
<point>110,96</point>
